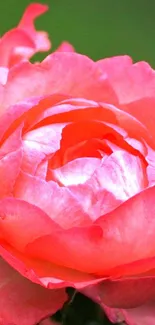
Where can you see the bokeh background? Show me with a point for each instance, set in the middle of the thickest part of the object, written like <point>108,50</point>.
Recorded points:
<point>98,28</point>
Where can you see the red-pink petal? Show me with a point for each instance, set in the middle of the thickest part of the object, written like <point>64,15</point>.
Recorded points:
<point>38,144</point>
<point>143,110</point>
<point>9,169</point>
<point>18,222</point>
<point>65,47</point>
<point>27,23</point>
<point>3,75</point>
<point>113,314</point>
<point>150,158</point>
<point>57,202</point>
<point>13,142</point>
<point>66,73</point>
<point>28,111</point>
<point>48,275</point>
<point>23,302</point>
<point>83,79</point>
<point>110,122</point>
<point>119,176</point>
<point>46,138</point>
<point>30,41</point>
<point>76,172</point>
<point>127,292</point>
<point>13,116</point>
<point>12,40</point>
<point>123,236</point>
<point>130,81</point>
<point>41,170</point>
<point>32,157</point>
<point>143,315</point>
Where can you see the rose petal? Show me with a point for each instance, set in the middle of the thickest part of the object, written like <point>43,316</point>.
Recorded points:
<point>123,236</point>
<point>26,111</point>
<point>23,302</point>
<point>113,314</point>
<point>71,147</point>
<point>93,200</point>
<point>41,170</point>
<point>150,158</point>
<point>27,23</point>
<point>130,81</point>
<point>143,110</point>
<point>3,75</point>
<point>32,157</point>
<point>18,222</point>
<point>48,275</point>
<point>67,110</point>
<point>10,41</point>
<point>31,41</point>
<point>46,137</point>
<point>82,79</point>
<point>76,172</point>
<point>57,202</point>
<point>143,315</point>
<point>38,144</point>
<point>65,47</point>
<point>9,170</point>
<point>120,176</point>
<point>13,142</point>
<point>127,293</point>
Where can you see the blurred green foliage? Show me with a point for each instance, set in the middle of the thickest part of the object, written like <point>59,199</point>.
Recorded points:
<point>98,28</point>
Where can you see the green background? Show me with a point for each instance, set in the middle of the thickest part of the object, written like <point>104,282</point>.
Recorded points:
<point>98,28</point>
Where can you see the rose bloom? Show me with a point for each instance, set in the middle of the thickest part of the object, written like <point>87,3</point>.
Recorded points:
<point>77,175</point>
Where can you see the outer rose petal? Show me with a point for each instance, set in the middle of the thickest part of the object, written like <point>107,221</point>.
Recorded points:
<point>23,302</point>
<point>48,275</point>
<point>69,73</point>
<point>83,78</point>
<point>18,222</point>
<point>130,81</point>
<point>114,315</point>
<point>27,23</point>
<point>11,40</point>
<point>65,47</point>
<point>124,235</point>
<point>24,41</point>
<point>143,111</point>
<point>124,293</point>
<point>143,315</point>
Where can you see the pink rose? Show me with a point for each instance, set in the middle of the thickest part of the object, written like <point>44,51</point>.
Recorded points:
<point>77,174</point>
